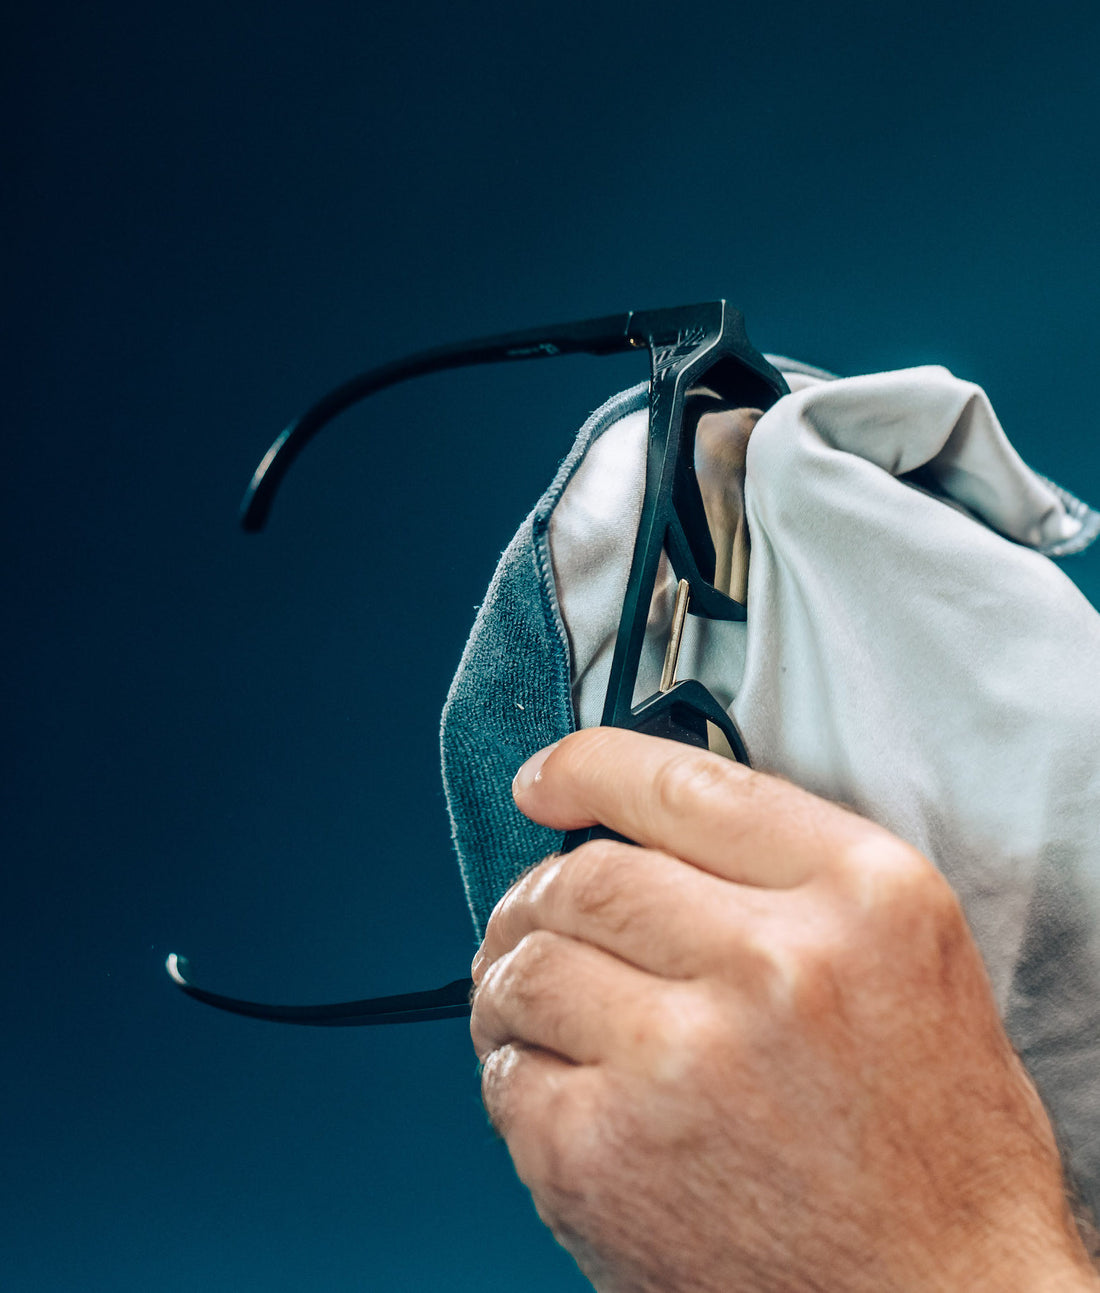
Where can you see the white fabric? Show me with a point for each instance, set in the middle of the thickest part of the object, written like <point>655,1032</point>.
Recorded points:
<point>905,657</point>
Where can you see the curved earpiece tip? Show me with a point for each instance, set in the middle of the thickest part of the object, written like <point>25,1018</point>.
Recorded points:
<point>254,506</point>
<point>177,967</point>
<point>265,480</point>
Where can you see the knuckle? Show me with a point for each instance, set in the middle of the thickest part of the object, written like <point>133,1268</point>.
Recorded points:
<point>925,914</point>
<point>880,871</point>
<point>559,1135</point>
<point>894,920</point>
<point>545,1121</point>
<point>484,1017</point>
<point>576,1144</point>
<point>521,991</point>
<point>803,969</point>
<point>807,961</point>
<point>910,891</point>
<point>519,892</point>
<point>685,778</point>
<point>498,1088</point>
<point>693,1037</point>
<point>529,972</point>
<point>594,880</point>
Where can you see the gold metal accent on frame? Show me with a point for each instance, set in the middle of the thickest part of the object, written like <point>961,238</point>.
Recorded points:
<point>672,651</point>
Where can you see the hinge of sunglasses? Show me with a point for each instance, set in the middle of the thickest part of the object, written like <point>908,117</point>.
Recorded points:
<point>672,651</point>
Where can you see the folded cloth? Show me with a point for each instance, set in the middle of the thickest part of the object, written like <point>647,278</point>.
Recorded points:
<point>910,650</point>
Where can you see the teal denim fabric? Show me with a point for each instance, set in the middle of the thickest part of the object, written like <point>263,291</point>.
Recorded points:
<point>512,695</point>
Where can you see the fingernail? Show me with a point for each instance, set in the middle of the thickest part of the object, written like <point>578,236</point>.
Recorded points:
<point>478,965</point>
<point>530,772</point>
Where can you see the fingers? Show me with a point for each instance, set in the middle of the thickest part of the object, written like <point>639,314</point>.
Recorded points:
<point>543,1106</point>
<point>656,912</point>
<point>566,997</point>
<point>738,824</point>
<point>513,1076</point>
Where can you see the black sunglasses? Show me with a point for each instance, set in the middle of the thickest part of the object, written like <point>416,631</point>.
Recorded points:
<point>695,349</point>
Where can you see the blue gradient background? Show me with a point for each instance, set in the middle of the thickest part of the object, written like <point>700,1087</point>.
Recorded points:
<point>226,745</point>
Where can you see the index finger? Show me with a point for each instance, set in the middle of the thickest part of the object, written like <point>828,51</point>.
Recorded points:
<point>745,826</point>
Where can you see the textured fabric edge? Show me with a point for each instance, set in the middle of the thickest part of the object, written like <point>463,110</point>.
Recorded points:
<point>619,406</point>
<point>1089,518</point>
<point>495,717</point>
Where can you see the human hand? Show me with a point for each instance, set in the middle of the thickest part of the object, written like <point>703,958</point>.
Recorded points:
<point>759,1051</point>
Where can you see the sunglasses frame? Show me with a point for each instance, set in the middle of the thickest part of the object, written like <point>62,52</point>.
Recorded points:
<point>688,345</point>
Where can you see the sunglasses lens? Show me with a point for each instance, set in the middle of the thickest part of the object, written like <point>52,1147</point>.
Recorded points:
<point>721,443</point>
<point>718,742</point>
<point>710,505</point>
<point>651,663</point>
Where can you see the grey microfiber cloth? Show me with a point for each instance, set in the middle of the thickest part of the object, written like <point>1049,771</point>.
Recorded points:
<point>910,650</point>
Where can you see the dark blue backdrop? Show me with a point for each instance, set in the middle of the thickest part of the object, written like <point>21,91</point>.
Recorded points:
<point>226,746</point>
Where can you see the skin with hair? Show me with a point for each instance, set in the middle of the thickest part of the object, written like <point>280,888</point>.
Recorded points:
<point>758,1050</point>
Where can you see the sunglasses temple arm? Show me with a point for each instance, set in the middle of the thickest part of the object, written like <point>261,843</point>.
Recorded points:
<point>590,336</point>
<point>452,1001</point>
